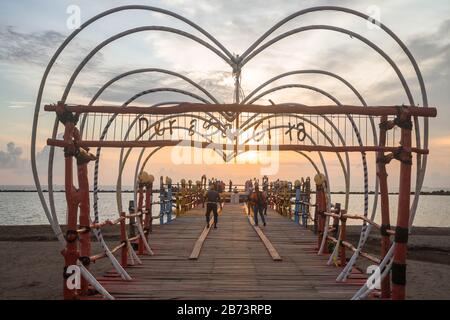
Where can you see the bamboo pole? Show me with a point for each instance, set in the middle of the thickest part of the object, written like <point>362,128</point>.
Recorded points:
<point>253,108</point>
<point>402,227</point>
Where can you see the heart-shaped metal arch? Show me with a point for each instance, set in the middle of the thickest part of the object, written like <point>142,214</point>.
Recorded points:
<point>236,63</point>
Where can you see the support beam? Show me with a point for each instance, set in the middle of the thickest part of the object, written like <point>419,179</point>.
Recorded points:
<point>279,108</point>
<point>198,144</point>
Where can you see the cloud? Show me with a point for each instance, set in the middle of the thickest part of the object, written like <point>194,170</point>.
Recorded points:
<point>19,104</point>
<point>37,47</point>
<point>11,158</point>
<point>432,53</point>
<point>32,47</point>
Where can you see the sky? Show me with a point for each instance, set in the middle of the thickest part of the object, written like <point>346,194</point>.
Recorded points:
<point>31,31</point>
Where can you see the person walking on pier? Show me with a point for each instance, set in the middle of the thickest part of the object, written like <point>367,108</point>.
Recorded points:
<point>259,201</point>
<point>212,200</point>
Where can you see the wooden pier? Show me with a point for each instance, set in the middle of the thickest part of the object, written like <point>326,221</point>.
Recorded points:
<point>233,262</point>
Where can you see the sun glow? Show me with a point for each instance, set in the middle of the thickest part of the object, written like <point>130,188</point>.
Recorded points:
<point>250,157</point>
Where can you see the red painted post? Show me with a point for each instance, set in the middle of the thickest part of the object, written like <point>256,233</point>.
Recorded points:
<point>384,199</point>
<point>123,240</point>
<point>70,253</point>
<point>402,228</point>
<point>85,237</point>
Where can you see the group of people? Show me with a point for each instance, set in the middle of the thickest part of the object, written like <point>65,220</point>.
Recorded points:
<point>257,200</point>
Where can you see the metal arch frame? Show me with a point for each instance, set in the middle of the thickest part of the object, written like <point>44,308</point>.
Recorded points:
<point>141,135</point>
<point>421,168</point>
<point>98,233</point>
<point>51,216</point>
<point>422,162</point>
<point>374,21</point>
<point>105,130</point>
<point>347,84</point>
<point>332,98</point>
<point>357,94</point>
<point>145,70</point>
<point>129,32</point>
<point>125,104</point>
<point>345,169</point>
<point>87,59</point>
<point>365,228</point>
<point>235,155</point>
<point>121,76</point>
<point>122,161</point>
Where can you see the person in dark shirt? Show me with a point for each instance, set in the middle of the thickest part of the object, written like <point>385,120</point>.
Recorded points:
<point>212,200</point>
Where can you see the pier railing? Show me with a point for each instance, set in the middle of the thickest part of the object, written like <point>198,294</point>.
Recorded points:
<point>132,243</point>
<point>331,238</point>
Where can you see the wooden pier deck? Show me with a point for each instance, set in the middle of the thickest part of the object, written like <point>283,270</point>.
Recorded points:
<point>233,263</point>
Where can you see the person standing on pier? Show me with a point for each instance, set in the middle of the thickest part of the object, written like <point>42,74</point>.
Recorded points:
<point>266,196</point>
<point>212,200</point>
<point>259,201</point>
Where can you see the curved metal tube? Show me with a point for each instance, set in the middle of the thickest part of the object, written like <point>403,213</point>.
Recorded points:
<point>332,98</point>
<point>51,216</point>
<point>365,229</point>
<point>132,31</point>
<point>144,70</point>
<point>232,62</point>
<point>96,169</point>
<point>122,161</point>
<point>420,167</point>
<point>421,163</point>
<point>98,233</point>
<point>352,88</point>
<point>310,160</point>
<point>78,70</point>
<point>345,169</point>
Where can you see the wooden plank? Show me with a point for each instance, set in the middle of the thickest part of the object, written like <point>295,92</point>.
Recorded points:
<point>269,246</point>
<point>199,243</point>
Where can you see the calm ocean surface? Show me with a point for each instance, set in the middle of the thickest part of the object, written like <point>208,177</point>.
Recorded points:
<point>24,208</point>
